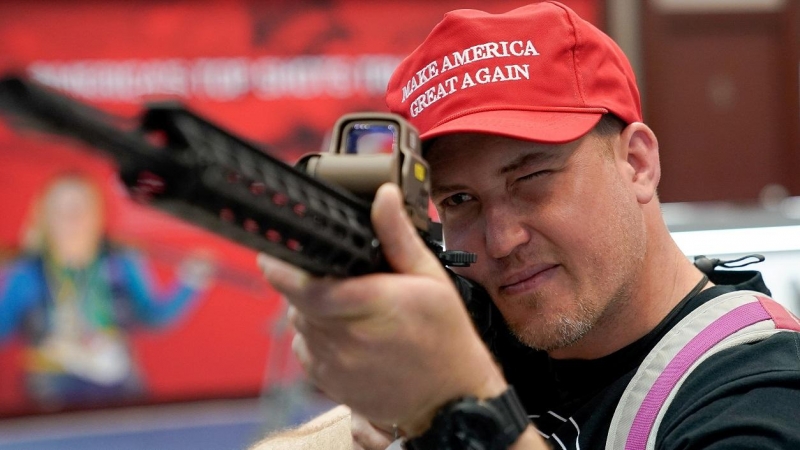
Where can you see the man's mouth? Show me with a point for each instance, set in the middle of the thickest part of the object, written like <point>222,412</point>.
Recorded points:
<point>527,279</point>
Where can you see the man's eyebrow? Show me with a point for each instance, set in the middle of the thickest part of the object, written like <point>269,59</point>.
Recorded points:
<point>536,157</point>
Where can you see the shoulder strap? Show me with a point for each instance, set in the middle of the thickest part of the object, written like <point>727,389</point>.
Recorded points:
<point>731,319</point>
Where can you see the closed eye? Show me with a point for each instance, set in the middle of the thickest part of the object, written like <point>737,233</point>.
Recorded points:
<point>533,175</point>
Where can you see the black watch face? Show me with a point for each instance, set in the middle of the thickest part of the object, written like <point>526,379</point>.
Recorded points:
<point>475,427</point>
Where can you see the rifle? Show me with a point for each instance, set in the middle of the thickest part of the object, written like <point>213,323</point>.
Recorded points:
<point>315,215</point>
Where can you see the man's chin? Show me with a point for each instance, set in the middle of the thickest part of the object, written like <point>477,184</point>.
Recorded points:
<point>549,337</point>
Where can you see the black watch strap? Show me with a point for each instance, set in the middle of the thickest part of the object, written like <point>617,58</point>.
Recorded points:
<point>450,430</point>
<point>509,403</point>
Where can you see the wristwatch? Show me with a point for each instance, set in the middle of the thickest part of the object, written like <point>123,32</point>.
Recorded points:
<point>472,424</point>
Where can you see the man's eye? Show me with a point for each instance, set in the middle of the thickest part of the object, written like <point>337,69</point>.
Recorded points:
<point>455,200</point>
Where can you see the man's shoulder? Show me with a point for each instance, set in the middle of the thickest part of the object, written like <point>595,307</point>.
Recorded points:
<point>762,337</point>
<point>751,362</point>
<point>732,351</point>
<point>747,385</point>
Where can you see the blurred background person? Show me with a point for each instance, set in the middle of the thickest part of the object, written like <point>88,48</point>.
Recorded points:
<point>73,295</point>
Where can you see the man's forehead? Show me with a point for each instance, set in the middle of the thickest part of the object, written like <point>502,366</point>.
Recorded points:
<point>494,151</point>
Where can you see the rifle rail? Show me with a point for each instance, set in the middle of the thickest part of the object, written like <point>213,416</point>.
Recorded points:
<point>208,176</point>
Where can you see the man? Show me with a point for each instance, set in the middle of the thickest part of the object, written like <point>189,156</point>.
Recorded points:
<point>541,165</point>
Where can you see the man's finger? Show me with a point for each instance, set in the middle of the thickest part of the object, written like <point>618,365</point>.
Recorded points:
<point>312,296</point>
<point>301,352</point>
<point>402,246</point>
<point>283,276</point>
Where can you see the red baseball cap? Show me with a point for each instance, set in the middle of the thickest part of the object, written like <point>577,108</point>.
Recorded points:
<point>538,73</point>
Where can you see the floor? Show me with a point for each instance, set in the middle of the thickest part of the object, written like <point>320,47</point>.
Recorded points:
<point>210,425</point>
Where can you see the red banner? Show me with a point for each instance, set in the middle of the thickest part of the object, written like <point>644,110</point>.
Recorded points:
<point>278,73</point>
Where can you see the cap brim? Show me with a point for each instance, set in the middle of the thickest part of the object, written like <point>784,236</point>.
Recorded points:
<point>538,126</point>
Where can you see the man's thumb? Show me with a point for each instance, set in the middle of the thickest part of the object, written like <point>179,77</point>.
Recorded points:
<point>402,246</point>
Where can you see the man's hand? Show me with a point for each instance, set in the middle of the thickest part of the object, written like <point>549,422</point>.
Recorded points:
<point>394,347</point>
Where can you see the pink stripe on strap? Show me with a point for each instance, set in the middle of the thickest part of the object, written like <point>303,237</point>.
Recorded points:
<point>733,321</point>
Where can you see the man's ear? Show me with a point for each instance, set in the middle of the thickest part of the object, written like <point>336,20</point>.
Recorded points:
<point>638,153</point>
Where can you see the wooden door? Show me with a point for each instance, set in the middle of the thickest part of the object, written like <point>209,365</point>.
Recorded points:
<point>721,94</point>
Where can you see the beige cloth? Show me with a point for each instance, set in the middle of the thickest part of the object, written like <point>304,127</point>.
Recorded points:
<point>329,431</point>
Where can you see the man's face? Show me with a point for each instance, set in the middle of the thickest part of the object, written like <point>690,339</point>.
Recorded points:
<point>558,232</point>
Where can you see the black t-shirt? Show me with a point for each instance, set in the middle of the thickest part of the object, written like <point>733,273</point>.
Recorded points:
<point>745,397</point>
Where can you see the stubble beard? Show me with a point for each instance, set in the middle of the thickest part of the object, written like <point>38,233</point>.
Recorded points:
<point>558,331</point>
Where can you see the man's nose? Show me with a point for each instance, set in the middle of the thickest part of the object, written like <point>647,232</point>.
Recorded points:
<point>505,231</point>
